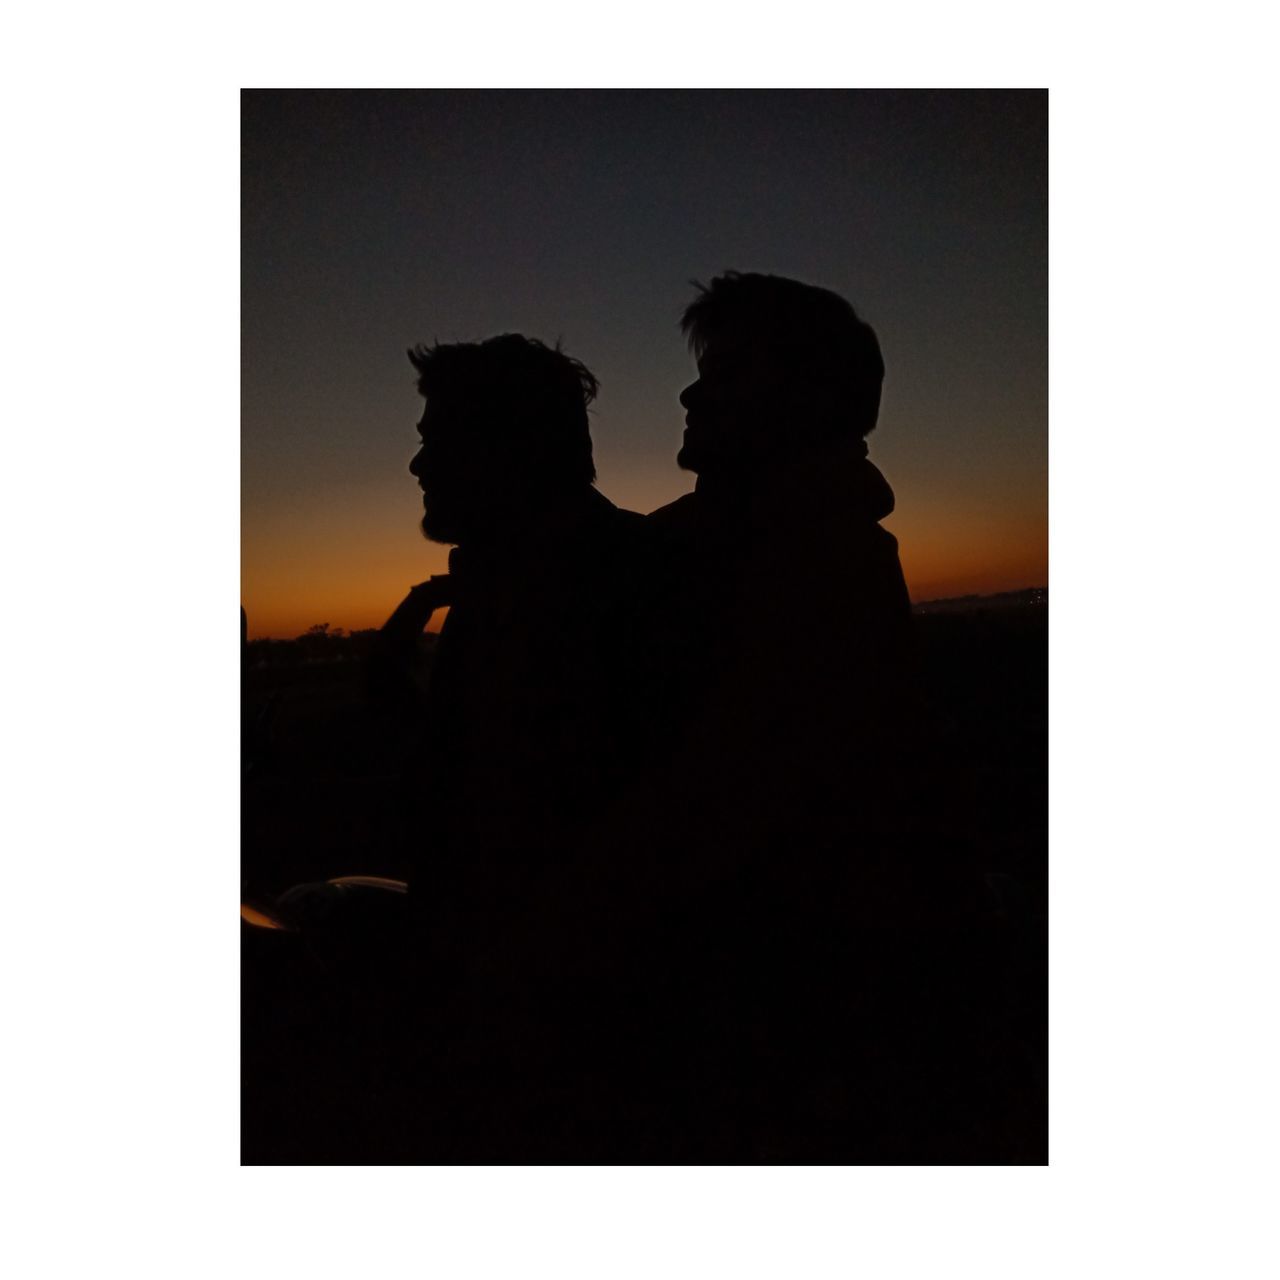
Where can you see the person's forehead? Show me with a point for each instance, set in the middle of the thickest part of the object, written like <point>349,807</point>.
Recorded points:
<point>738,352</point>
<point>726,349</point>
<point>440,408</point>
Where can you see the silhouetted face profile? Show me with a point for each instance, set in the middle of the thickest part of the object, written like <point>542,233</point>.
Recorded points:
<point>783,367</point>
<point>504,436</point>
<point>462,491</point>
<point>734,409</point>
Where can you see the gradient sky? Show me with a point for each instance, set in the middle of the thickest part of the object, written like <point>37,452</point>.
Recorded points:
<point>371,221</point>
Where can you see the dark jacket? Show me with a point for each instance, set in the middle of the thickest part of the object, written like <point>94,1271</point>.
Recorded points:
<point>794,856</point>
<point>532,720</point>
<point>798,665</point>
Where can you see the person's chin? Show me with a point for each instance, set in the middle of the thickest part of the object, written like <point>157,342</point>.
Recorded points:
<point>687,459</point>
<point>436,530</point>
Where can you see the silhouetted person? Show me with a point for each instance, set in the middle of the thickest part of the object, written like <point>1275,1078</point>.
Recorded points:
<point>799,818</point>
<point>529,713</point>
<point>792,590</point>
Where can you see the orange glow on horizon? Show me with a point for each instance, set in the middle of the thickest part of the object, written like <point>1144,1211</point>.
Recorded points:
<point>308,568</point>
<point>284,615</point>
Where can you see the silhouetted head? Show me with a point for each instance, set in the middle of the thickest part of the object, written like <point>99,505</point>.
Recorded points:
<point>783,368</point>
<point>504,434</point>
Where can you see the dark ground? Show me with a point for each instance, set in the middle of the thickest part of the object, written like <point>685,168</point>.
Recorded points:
<point>321,763</point>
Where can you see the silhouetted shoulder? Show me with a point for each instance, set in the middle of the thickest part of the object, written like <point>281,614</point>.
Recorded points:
<point>675,514</point>
<point>627,525</point>
<point>617,540</point>
<point>682,521</point>
<point>627,519</point>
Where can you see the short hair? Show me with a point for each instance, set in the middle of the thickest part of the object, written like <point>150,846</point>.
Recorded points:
<point>816,329</point>
<point>520,389</point>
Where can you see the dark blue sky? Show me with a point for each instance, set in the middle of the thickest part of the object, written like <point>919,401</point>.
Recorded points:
<point>375,220</point>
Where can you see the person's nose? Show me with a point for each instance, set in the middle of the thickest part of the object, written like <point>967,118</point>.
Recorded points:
<point>689,395</point>
<point>415,465</point>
